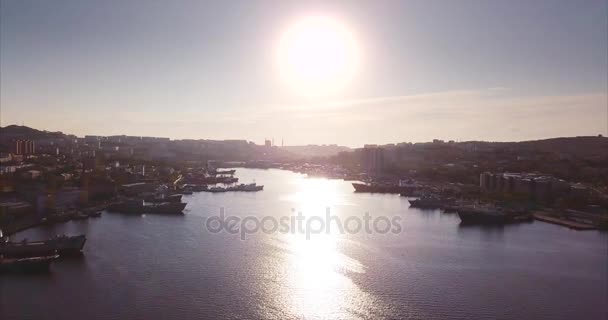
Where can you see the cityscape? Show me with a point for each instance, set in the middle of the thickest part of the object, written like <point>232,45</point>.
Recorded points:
<point>320,160</point>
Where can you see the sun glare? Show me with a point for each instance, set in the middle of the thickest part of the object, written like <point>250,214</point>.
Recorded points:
<point>318,56</point>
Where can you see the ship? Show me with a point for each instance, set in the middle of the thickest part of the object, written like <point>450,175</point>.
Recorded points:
<point>376,188</point>
<point>216,189</point>
<point>164,198</point>
<point>199,187</point>
<point>30,264</point>
<point>483,215</point>
<point>137,207</point>
<point>165,208</point>
<point>252,187</point>
<point>230,172</point>
<point>427,202</point>
<point>95,214</point>
<point>492,214</point>
<point>62,245</point>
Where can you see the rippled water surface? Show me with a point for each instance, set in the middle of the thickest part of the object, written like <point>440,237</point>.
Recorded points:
<point>171,267</point>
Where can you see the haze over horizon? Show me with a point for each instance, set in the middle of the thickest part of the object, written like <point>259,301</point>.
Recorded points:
<point>416,71</point>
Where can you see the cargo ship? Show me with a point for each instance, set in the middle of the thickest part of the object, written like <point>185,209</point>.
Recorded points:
<point>377,188</point>
<point>62,245</point>
<point>230,171</point>
<point>31,264</point>
<point>427,202</point>
<point>137,207</point>
<point>483,215</point>
<point>490,214</point>
<point>252,187</point>
<point>164,198</point>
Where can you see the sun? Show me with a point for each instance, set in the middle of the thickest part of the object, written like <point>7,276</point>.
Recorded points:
<point>318,56</point>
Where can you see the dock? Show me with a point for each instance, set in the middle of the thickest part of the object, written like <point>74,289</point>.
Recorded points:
<point>563,222</point>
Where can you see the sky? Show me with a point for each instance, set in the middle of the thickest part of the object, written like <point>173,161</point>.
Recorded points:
<point>455,70</point>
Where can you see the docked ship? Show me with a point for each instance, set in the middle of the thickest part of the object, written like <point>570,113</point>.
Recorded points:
<point>138,207</point>
<point>191,188</point>
<point>164,198</point>
<point>427,202</point>
<point>230,171</point>
<point>252,187</point>
<point>61,245</point>
<point>407,187</point>
<point>216,189</point>
<point>484,215</point>
<point>30,264</point>
<point>376,188</point>
<point>491,214</point>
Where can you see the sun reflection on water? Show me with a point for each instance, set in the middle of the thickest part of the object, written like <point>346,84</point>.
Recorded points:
<point>317,282</point>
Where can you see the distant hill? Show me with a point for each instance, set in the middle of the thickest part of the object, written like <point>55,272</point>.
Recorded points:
<point>11,133</point>
<point>585,146</point>
<point>23,132</point>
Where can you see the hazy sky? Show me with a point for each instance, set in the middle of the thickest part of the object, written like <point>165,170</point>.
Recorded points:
<point>491,70</point>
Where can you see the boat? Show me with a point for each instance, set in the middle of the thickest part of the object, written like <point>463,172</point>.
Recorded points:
<point>230,172</point>
<point>165,208</point>
<point>126,206</point>
<point>217,189</point>
<point>483,215</point>
<point>199,188</point>
<point>95,214</point>
<point>61,244</point>
<point>252,187</point>
<point>163,198</point>
<point>381,188</point>
<point>427,202</point>
<point>451,208</point>
<point>137,207</point>
<point>30,264</point>
<point>58,218</point>
<point>79,216</point>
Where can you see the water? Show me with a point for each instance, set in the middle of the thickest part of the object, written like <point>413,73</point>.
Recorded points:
<point>171,267</point>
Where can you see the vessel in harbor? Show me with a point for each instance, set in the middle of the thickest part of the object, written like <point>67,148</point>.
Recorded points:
<point>61,245</point>
<point>138,207</point>
<point>26,265</point>
<point>164,198</point>
<point>376,187</point>
<point>403,187</point>
<point>483,215</point>
<point>427,202</point>
<point>228,171</point>
<point>252,187</point>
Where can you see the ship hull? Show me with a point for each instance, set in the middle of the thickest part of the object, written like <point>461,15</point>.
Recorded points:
<point>376,188</point>
<point>171,198</point>
<point>64,246</point>
<point>27,265</point>
<point>475,217</point>
<point>134,207</point>
<point>422,204</point>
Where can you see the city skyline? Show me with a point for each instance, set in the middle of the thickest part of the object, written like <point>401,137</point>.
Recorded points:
<point>461,71</point>
<point>289,159</point>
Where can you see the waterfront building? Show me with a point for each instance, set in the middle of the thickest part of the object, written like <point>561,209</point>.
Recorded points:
<point>373,159</point>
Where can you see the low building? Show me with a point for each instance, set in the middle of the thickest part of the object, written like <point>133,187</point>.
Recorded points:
<point>533,185</point>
